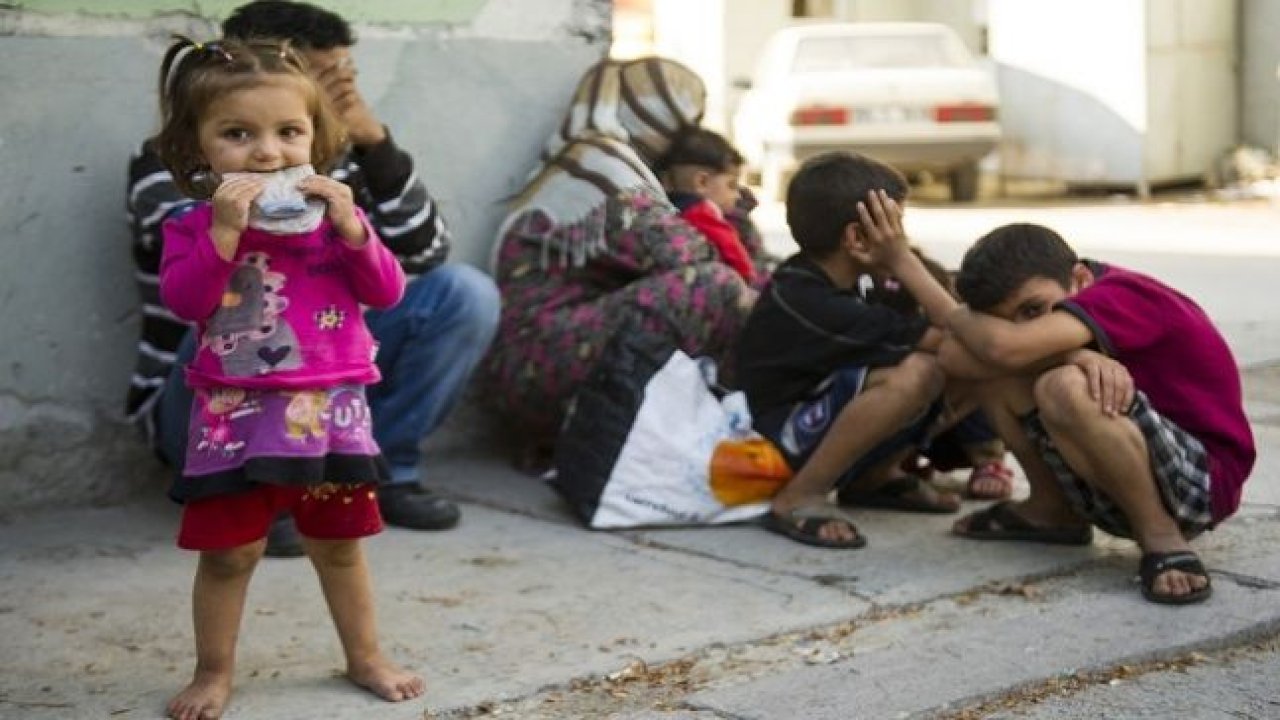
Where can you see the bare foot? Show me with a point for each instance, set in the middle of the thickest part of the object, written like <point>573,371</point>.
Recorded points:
<point>1173,574</point>
<point>203,699</point>
<point>385,679</point>
<point>990,481</point>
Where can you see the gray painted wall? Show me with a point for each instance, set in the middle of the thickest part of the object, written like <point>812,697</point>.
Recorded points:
<point>1259,87</point>
<point>473,103</point>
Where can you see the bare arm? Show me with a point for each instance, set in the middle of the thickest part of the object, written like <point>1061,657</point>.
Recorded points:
<point>931,341</point>
<point>882,243</point>
<point>956,361</point>
<point>1010,347</point>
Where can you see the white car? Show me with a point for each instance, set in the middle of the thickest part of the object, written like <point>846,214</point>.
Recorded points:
<point>908,94</point>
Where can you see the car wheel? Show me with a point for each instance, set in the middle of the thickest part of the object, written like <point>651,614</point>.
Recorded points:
<point>964,183</point>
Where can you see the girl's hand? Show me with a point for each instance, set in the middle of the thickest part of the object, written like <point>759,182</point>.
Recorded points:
<point>342,207</point>
<point>231,203</point>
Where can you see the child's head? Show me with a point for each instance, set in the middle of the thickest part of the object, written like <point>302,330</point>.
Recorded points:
<point>322,37</point>
<point>704,163</point>
<point>822,200</point>
<point>1019,272</point>
<point>241,106</point>
<point>304,25</point>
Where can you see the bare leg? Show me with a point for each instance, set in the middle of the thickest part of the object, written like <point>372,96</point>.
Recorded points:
<point>1110,453</point>
<point>985,452</point>
<point>1006,401</point>
<point>344,578</point>
<point>217,602</point>
<point>964,398</point>
<point>890,398</point>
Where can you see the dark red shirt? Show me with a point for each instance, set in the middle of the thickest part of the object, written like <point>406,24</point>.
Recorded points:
<point>1180,360</point>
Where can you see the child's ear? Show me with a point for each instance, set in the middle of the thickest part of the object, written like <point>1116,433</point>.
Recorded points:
<point>852,244</point>
<point>702,181</point>
<point>1081,276</point>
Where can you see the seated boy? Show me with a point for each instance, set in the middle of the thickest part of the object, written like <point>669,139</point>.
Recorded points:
<point>843,387</point>
<point>1117,395</point>
<point>701,173</point>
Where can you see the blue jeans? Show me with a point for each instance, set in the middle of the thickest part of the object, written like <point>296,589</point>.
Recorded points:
<point>428,347</point>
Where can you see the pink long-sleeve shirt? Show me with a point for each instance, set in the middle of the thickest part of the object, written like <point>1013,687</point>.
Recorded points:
<point>286,312</point>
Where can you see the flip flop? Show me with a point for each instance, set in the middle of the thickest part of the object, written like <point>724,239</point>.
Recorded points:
<point>1000,522</point>
<point>1155,564</point>
<point>804,523</point>
<point>903,493</point>
<point>994,470</point>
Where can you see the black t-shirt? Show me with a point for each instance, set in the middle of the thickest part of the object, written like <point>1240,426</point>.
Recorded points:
<point>804,327</point>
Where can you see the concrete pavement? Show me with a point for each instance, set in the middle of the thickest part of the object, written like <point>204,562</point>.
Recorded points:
<point>521,613</point>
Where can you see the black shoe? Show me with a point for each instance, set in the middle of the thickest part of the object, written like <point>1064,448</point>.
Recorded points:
<point>283,540</point>
<point>409,505</point>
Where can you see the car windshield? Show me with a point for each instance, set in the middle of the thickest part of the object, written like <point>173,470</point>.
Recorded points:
<point>853,52</point>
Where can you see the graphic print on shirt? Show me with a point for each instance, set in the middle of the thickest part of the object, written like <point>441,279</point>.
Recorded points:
<point>218,408</point>
<point>248,331</point>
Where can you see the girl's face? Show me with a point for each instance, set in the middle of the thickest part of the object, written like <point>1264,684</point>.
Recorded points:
<point>262,128</point>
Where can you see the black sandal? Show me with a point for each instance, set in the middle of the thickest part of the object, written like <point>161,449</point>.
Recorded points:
<point>909,493</point>
<point>804,525</point>
<point>1000,522</point>
<point>1155,564</point>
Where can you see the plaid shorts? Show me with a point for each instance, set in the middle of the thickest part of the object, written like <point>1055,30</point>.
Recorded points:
<point>1178,462</point>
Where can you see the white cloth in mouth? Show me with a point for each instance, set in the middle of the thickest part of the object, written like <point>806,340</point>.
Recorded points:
<point>281,208</point>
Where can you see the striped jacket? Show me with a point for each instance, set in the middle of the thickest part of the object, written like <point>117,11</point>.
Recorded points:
<point>385,185</point>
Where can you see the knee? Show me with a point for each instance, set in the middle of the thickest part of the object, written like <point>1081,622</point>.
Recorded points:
<point>233,563</point>
<point>1062,396</point>
<point>338,554</point>
<point>918,376</point>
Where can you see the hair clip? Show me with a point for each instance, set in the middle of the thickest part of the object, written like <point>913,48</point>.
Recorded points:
<point>216,47</point>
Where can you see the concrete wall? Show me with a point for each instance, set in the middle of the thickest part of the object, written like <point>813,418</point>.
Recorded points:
<point>1259,86</point>
<point>471,91</point>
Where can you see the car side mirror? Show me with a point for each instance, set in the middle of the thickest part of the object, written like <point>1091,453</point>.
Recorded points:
<point>742,83</point>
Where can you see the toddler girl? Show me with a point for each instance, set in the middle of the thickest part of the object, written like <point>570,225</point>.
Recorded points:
<point>280,421</point>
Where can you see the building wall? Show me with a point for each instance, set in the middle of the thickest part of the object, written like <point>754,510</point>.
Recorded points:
<point>1259,84</point>
<point>471,88</point>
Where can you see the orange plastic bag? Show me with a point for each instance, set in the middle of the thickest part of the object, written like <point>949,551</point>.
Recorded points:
<point>747,471</point>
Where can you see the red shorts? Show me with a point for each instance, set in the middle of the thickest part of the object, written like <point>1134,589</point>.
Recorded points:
<point>327,512</point>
